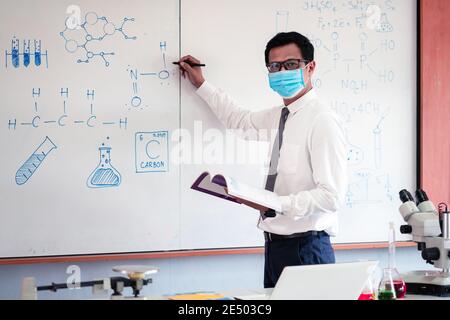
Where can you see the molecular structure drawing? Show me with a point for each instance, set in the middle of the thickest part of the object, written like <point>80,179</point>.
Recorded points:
<point>108,29</point>
<point>163,75</point>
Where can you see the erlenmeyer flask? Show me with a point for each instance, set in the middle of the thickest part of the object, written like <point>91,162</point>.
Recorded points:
<point>386,291</point>
<point>368,292</point>
<point>105,175</point>
<point>399,283</point>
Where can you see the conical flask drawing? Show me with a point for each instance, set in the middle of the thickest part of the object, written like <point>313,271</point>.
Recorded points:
<point>105,175</point>
<point>384,25</point>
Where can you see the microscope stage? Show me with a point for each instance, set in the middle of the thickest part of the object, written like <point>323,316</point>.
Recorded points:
<point>430,283</point>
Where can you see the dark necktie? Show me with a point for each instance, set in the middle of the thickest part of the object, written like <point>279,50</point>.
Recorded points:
<point>272,175</point>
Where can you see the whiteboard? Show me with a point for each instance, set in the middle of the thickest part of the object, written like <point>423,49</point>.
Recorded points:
<point>366,72</point>
<point>55,212</point>
<point>93,112</point>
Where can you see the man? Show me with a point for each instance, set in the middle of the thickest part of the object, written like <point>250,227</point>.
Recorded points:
<point>308,162</point>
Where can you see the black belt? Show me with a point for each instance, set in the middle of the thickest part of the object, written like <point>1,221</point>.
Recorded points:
<point>277,237</point>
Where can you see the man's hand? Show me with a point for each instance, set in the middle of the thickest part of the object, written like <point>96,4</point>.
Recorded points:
<point>194,74</point>
<point>248,203</point>
<point>252,205</point>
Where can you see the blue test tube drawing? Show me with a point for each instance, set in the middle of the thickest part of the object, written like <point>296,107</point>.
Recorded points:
<point>40,56</point>
<point>15,52</point>
<point>26,53</point>
<point>37,53</point>
<point>34,161</point>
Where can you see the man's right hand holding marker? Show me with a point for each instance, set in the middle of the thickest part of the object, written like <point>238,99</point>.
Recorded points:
<point>194,74</point>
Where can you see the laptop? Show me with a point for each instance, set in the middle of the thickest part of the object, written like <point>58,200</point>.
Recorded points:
<point>340,281</point>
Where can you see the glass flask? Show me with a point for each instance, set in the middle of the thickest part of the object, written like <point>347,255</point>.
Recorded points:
<point>399,283</point>
<point>386,290</point>
<point>368,292</point>
<point>105,175</point>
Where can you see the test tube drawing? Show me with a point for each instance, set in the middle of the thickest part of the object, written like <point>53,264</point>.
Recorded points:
<point>349,198</point>
<point>282,20</point>
<point>37,53</point>
<point>40,57</point>
<point>14,52</point>
<point>26,53</point>
<point>377,135</point>
<point>377,132</point>
<point>34,161</point>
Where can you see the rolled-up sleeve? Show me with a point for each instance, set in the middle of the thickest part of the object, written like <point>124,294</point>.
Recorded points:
<point>328,152</point>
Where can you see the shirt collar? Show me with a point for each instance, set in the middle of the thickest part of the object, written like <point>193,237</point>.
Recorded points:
<point>303,101</point>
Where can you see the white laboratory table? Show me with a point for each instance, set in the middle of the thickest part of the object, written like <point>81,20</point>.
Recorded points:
<point>257,294</point>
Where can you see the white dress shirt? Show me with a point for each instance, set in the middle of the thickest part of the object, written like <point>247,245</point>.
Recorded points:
<point>312,168</point>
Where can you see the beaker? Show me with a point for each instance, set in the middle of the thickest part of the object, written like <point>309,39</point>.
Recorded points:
<point>105,175</point>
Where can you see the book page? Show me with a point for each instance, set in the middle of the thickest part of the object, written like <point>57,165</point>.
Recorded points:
<point>252,194</point>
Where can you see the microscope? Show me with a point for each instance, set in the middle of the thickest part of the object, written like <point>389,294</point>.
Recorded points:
<point>430,229</point>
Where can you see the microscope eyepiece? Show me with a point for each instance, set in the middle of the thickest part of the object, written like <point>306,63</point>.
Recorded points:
<point>421,196</point>
<point>405,196</point>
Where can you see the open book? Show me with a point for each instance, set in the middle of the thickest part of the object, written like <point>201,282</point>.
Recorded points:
<point>228,188</point>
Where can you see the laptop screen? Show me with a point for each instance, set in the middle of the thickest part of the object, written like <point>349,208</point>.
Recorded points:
<point>341,281</point>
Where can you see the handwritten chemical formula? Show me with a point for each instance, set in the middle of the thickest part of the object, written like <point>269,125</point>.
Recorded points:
<point>135,75</point>
<point>64,120</point>
<point>356,43</point>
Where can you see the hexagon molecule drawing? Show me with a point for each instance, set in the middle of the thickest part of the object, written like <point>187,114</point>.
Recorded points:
<point>83,40</point>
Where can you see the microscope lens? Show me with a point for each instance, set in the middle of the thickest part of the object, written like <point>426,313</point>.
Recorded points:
<point>421,196</point>
<point>405,196</point>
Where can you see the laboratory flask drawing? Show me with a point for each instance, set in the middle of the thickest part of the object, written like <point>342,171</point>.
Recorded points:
<point>384,24</point>
<point>104,175</point>
<point>34,161</point>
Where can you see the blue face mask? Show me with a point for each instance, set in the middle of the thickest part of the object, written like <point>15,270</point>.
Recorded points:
<point>288,83</point>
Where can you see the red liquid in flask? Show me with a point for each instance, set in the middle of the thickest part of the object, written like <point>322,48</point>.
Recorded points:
<point>366,296</point>
<point>400,289</point>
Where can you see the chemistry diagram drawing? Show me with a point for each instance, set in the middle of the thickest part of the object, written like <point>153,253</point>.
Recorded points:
<point>34,161</point>
<point>163,75</point>
<point>152,151</point>
<point>376,20</point>
<point>377,133</point>
<point>64,119</point>
<point>94,29</point>
<point>282,21</point>
<point>29,51</point>
<point>384,25</point>
<point>354,74</point>
<point>104,175</point>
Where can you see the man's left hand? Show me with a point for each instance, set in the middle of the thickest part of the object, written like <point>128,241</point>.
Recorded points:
<point>252,205</point>
<point>249,204</point>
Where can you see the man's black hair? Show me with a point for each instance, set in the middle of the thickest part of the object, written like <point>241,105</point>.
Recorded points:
<point>285,38</point>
